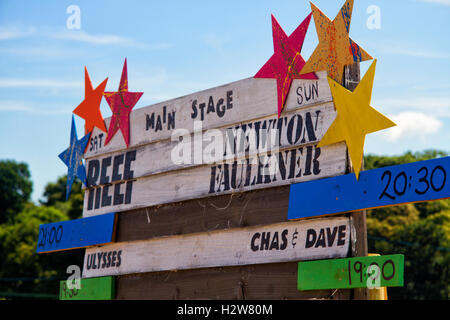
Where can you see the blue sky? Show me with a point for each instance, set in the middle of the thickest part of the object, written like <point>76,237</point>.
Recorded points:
<point>175,48</point>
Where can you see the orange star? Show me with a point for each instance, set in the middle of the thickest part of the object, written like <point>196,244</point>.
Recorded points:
<point>335,49</point>
<point>89,108</point>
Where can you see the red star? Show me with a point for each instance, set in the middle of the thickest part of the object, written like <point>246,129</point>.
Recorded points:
<point>121,104</point>
<point>286,63</point>
<point>89,108</point>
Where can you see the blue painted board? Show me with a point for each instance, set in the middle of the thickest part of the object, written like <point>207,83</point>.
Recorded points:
<point>79,233</point>
<point>413,182</point>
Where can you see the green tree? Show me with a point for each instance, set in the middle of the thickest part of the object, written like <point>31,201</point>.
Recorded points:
<point>55,195</point>
<point>18,243</point>
<point>15,188</point>
<point>420,231</point>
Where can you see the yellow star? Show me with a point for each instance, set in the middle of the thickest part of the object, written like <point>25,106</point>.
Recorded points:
<point>355,117</point>
<point>335,49</point>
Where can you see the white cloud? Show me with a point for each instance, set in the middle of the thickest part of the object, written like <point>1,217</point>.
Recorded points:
<point>412,125</point>
<point>39,83</point>
<point>437,106</point>
<point>7,33</point>
<point>442,2</point>
<point>105,39</point>
<point>411,51</point>
<point>15,106</point>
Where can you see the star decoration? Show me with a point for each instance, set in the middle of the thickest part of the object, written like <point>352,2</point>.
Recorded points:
<point>121,104</point>
<point>89,108</point>
<point>73,156</point>
<point>335,49</point>
<point>355,117</point>
<point>286,62</point>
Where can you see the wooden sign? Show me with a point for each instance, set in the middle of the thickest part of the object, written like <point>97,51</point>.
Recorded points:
<point>230,138</point>
<point>216,107</point>
<point>360,272</point>
<point>114,182</point>
<point>79,233</point>
<point>289,241</point>
<point>412,182</point>
<point>102,288</point>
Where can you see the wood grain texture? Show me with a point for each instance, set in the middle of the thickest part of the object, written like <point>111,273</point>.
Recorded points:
<point>102,288</point>
<point>78,233</point>
<point>240,101</point>
<point>359,272</point>
<point>283,242</point>
<point>253,282</point>
<point>299,127</point>
<point>259,207</point>
<point>360,248</point>
<point>289,167</point>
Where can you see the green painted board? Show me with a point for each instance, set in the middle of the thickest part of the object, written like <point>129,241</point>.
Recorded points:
<point>102,288</point>
<point>360,272</point>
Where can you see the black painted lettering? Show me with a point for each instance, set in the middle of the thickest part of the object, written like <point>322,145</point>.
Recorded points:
<point>194,109</point>
<point>265,241</point>
<point>253,246</point>
<point>118,160</point>
<point>106,162</point>
<point>118,197</point>
<point>128,191</point>
<point>229,99</point>
<point>149,121</point>
<point>311,237</point>
<point>106,198</point>
<point>93,172</point>
<point>341,235</point>
<point>275,242</point>
<point>321,239</point>
<point>130,156</point>
<point>331,235</point>
<point>220,108</point>
<point>284,239</point>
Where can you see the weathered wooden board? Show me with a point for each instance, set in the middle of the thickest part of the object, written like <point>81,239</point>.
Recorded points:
<point>280,168</point>
<point>360,272</point>
<point>102,288</point>
<point>274,281</point>
<point>217,107</point>
<point>79,233</point>
<point>289,241</point>
<point>412,182</point>
<point>253,208</point>
<point>304,126</point>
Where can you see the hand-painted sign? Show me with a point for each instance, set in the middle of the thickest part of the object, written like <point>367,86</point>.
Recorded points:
<point>257,172</point>
<point>79,233</point>
<point>289,241</point>
<point>361,272</point>
<point>412,182</point>
<point>221,106</point>
<point>102,288</point>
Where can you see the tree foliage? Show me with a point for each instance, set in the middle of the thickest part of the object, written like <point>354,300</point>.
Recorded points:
<point>420,231</point>
<point>15,188</point>
<point>55,195</point>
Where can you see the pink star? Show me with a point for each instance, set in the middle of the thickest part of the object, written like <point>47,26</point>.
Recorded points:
<point>121,104</point>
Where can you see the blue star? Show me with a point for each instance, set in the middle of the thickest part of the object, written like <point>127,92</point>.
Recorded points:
<point>73,156</point>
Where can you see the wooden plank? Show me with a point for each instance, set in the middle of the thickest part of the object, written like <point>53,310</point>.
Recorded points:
<point>360,272</point>
<point>407,183</point>
<point>300,127</point>
<point>259,207</point>
<point>360,248</point>
<point>79,233</point>
<point>102,288</point>
<point>280,168</point>
<point>275,281</point>
<point>217,107</point>
<point>289,241</point>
